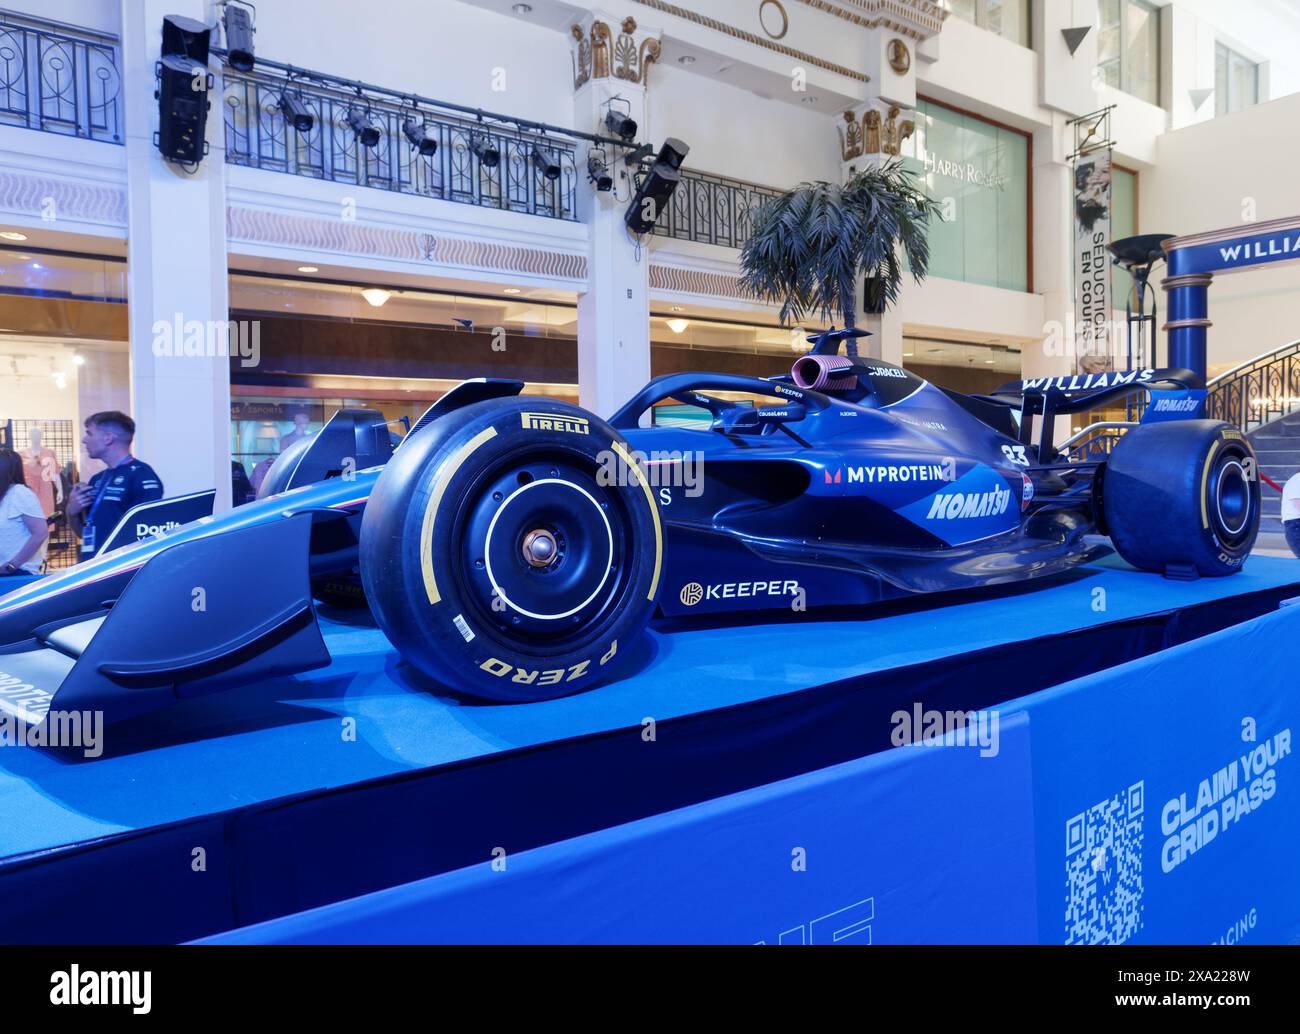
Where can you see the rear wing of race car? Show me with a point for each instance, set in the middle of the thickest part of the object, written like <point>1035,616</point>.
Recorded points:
<point>1174,395</point>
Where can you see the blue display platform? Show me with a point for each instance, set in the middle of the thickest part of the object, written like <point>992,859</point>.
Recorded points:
<point>262,802</point>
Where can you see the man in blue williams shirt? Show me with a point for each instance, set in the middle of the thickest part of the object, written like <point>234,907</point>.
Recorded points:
<point>95,508</point>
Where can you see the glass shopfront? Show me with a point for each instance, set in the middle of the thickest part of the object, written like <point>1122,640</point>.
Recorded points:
<point>1123,223</point>
<point>979,173</point>
<point>63,356</point>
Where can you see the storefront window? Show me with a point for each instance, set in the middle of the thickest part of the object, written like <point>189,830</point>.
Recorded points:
<point>970,367</point>
<point>1236,81</point>
<point>1123,216</point>
<point>1128,48</point>
<point>1006,18</point>
<point>63,356</point>
<point>979,173</point>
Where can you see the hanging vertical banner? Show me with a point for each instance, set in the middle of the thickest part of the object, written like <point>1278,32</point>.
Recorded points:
<point>1092,237</point>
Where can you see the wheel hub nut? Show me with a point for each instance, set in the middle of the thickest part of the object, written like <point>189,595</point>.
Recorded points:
<point>540,548</point>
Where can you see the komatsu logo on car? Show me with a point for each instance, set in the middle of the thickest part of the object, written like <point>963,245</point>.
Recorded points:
<point>955,505</point>
<point>1176,405</point>
<point>555,422</point>
<point>693,592</point>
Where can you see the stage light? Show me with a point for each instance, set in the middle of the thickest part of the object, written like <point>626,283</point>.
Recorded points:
<point>78,360</point>
<point>376,296</point>
<point>657,188</point>
<point>678,326</point>
<point>673,153</point>
<point>182,109</point>
<point>239,37</point>
<point>367,132</point>
<point>13,235</point>
<point>598,172</point>
<point>620,125</point>
<point>309,269</point>
<point>546,162</point>
<point>185,37</point>
<point>420,137</point>
<point>296,112</point>
<point>487,155</point>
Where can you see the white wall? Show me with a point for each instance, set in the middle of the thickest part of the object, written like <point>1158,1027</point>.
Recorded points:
<point>102,15</point>
<point>739,134</point>
<point>1228,172</point>
<point>440,48</point>
<point>1265,30</point>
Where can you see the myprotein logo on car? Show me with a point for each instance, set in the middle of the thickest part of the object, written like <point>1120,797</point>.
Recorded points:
<point>555,422</point>
<point>893,472</point>
<point>949,506</point>
<point>693,592</point>
<point>23,698</point>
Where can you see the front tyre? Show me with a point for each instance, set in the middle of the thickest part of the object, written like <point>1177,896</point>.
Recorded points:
<point>1183,494</point>
<point>511,551</point>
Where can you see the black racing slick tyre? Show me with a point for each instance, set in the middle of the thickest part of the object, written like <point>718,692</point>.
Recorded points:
<point>1183,494</point>
<point>511,551</point>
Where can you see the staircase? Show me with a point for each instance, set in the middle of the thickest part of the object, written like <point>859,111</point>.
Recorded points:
<point>1262,398</point>
<point>1278,447</point>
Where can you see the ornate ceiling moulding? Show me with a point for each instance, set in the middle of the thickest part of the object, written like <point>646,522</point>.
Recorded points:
<point>599,54</point>
<point>748,37</point>
<point>872,134</point>
<point>919,19</point>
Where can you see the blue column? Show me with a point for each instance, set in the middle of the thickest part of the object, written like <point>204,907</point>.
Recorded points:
<point>1188,309</point>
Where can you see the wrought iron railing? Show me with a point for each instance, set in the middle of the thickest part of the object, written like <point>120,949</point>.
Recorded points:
<point>59,79</point>
<point>1095,441</point>
<point>1258,391</point>
<point>257,135</point>
<point>712,209</point>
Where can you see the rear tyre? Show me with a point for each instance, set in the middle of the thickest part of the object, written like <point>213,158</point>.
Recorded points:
<point>510,552</point>
<point>1183,494</point>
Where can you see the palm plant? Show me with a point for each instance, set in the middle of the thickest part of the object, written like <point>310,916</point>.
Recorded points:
<point>810,245</point>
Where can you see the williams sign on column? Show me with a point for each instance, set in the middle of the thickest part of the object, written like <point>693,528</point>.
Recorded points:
<point>1092,261</point>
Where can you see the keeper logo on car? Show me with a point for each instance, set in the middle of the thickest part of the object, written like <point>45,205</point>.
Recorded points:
<point>693,592</point>
<point>555,422</point>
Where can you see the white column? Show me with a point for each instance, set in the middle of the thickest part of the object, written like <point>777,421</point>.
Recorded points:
<point>1052,185</point>
<point>614,311</point>
<point>872,136</point>
<point>177,275</point>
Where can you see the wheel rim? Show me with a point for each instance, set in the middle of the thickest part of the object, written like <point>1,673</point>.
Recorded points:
<point>1232,502</point>
<point>543,549</point>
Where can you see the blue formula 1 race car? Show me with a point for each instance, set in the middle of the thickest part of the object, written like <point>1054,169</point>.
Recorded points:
<point>514,548</point>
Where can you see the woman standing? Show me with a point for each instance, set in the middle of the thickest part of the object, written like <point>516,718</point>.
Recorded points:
<point>22,520</point>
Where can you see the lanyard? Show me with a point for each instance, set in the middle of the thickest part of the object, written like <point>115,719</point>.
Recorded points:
<point>103,487</point>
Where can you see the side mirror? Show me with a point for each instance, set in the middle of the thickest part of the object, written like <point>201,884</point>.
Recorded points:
<point>753,419</point>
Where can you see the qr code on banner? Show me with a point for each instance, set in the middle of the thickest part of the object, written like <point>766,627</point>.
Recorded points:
<point>1103,870</point>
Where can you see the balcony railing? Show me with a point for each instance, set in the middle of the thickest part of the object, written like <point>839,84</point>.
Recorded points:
<point>257,135</point>
<point>712,209</point>
<point>1259,391</point>
<point>59,79</point>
